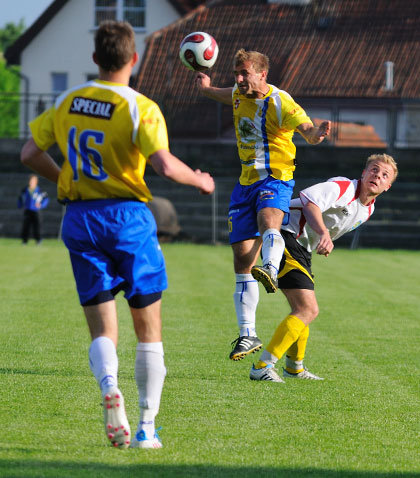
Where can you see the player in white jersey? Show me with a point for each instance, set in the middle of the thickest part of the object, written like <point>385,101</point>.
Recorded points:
<point>321,214</point>
<point>265,120</point>
<point>107,132</point>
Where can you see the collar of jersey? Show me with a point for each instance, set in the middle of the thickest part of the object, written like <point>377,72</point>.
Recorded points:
<point>105,82</point>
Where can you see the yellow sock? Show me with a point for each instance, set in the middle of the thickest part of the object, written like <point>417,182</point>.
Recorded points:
<point>285,335</point>
<point>260,365</point>
<point>296,353</point>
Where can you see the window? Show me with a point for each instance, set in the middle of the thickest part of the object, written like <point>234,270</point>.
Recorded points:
<point>408,127</point>
<point>132,11</point>
<point>59,82</point>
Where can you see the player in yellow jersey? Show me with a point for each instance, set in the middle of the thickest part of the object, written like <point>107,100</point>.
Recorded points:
<point>265,120</point>
<point>107,133</point>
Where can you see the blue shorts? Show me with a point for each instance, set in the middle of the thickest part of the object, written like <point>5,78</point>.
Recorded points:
<point>113,242</point>
<point>246,201</point>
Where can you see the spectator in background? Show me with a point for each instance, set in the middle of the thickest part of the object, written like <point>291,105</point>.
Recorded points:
<point>32,200</point>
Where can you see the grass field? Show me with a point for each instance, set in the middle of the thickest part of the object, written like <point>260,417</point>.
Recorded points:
<point>362,421</point>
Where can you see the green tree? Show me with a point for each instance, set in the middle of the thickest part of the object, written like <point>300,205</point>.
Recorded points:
<point>10,33</point>
<point>9,84</point>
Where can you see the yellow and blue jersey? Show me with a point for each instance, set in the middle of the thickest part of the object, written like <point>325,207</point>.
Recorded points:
<point>106,132</point>
<point>264,131</point>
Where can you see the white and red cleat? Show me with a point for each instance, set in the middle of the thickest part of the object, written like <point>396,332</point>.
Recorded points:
<point>117,428</point>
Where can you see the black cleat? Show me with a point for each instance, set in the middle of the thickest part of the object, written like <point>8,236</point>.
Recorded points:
<point>243,346</point>
<point>267,277</point>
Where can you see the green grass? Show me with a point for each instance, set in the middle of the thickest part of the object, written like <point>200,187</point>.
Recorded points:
<point>362,421</point>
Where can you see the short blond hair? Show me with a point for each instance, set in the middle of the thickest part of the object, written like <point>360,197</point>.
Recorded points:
<point>384,158</point>
<point>259,60</point>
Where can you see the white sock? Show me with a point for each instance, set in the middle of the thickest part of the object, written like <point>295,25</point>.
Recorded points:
<point>246,298</point>
<point>268,358</point>
<point>294,364</point>
<point>103,361</point>
<point>272,248</point>
<point>150,375</point>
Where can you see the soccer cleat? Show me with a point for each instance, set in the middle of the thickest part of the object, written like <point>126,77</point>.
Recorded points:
<point>117,428</point>
<point>305,374</point>
<point>267,276</point>
<point>141,441</point>
<point>268,373</point>
<point>243,346</point>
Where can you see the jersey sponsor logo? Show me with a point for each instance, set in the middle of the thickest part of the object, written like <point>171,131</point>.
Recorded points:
<point>92,108</point>
<point>249,162</point>
<point>248,131</point>
<point>356,226</point>
<point>265,194</point>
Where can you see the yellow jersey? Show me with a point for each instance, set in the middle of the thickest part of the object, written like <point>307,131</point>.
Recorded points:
<point>106,132</point>
<point>264,131</point>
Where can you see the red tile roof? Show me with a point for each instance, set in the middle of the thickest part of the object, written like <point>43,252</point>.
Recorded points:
<point>327,49</point>
<point>185,6</point>
<point>14,52</point>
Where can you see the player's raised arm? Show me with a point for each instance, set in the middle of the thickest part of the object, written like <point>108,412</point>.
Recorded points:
<point>314,134</point>
<point>203,83</point>
<point>170,167</point>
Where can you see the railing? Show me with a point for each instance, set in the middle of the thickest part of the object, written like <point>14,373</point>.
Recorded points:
<point>362,123</point>
<point>204,218</point>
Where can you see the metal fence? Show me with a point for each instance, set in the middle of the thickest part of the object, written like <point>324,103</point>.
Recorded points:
<point>368,123</point>
<point>395,223</point>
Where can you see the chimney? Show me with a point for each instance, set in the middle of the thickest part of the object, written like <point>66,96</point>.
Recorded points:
<point>389,75</point>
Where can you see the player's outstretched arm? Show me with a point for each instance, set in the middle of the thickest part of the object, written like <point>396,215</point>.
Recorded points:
<point>314,134</point>
<point>203,83</point>
<point>313,216</point>
<point>170,167</point>
<point>39,161</point>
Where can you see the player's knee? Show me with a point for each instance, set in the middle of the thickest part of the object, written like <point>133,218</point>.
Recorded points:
<point>313,312</point>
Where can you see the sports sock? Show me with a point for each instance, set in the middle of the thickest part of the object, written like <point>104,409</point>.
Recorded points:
<point>150,374</point>
<point>103,362</point>
<point>272,248</point>
<point>246,298</point>
<point>285,335</point>
<point>296,352</point>
<point>265,359</point>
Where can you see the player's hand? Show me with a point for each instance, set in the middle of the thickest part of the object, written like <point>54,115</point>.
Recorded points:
<point>202,80</point>
<point>324,129</point>
<point>325,245</point>
<point>207,182</point>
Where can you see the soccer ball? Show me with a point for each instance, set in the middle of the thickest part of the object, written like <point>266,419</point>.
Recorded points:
<point>198,51</point>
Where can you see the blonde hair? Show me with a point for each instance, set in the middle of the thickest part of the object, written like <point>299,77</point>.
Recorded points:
<point>385,158</point>
<point>259,60</point>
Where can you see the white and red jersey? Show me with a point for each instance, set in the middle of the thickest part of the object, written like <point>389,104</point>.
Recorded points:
<point>342,211</point>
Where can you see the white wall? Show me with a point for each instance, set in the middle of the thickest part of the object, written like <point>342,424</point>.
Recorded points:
<point>65,45</point>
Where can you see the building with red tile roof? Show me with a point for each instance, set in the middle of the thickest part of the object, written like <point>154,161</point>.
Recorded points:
<point>330,55</point>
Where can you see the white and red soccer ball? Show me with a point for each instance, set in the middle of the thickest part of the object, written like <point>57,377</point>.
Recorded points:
<point>198,51</point>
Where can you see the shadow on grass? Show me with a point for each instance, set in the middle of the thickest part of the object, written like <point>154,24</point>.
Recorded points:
<point>38,469</point>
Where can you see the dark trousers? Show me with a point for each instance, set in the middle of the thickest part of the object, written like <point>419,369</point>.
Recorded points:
<point>31,220</point>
